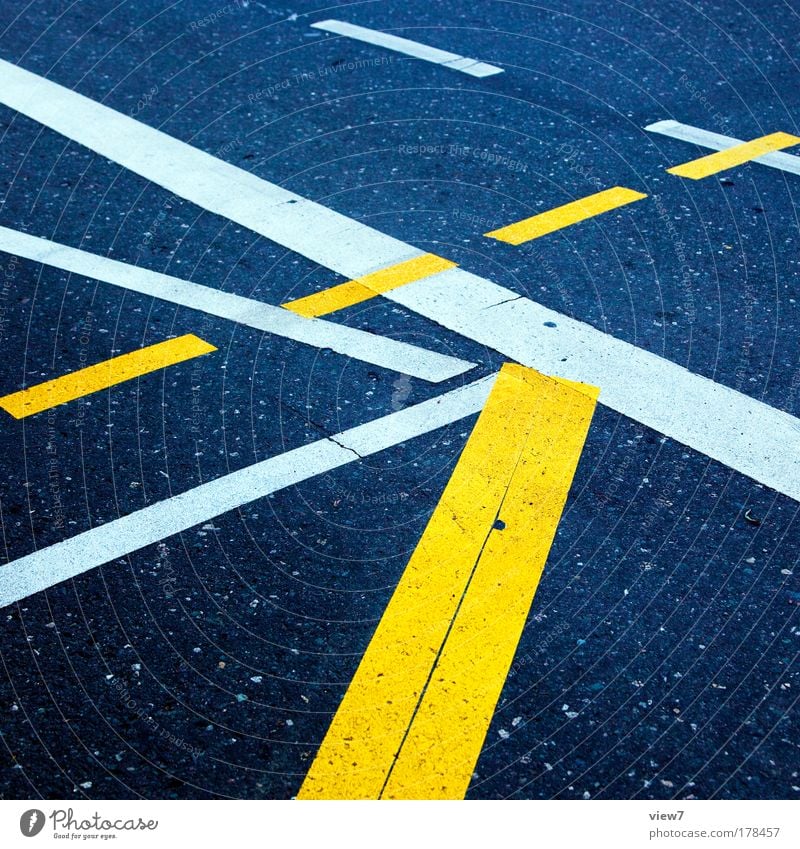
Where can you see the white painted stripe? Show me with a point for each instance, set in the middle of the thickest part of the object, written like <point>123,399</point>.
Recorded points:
<point>716,141</point>
<point>379,350</point>
<point>322,235</point>
<point>120,537</point>
<point>747,435</point>
<point>410,48</point>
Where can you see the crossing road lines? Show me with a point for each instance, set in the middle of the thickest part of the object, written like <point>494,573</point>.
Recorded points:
<point>697,169</point>
<point>608,199</point>
<point>410,48</point>
<point>348,341</point>
<point>705,138</point>
<point>103,375</point>
<point>356,291</point>
<point>369,286</point>
<point>527,229</point>
<point>423,681</point>
<point>745,434</point>
<point>413,720</point>
<point>563,216</point>
<point>120,537</point>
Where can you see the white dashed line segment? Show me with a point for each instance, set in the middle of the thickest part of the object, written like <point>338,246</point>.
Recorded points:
<point>410,48</point>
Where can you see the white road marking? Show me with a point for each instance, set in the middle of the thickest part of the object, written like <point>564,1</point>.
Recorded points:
<point>755,439</point>
<point>328,238</point>
<point>379,350</point>
<point>120,537</point>
<point>410,48</point>
<point>745,434</point>
<point>715,141</point>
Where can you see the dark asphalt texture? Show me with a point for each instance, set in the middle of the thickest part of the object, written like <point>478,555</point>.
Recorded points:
<point>661,657</point>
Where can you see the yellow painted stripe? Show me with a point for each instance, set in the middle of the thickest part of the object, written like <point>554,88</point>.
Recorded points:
<point>356,756</point>
<point>441,749</point>
<point>563,216</point>
<point>105,374</point>
<point>733,156</point>
<point>366,287</point>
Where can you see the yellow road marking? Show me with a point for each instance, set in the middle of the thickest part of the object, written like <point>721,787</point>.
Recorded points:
<point>733,156</point>
<point>366,287</point>
<point>517,465</point>
<point>563,216</point>
<point>439,753</point>
<point>105,374</point>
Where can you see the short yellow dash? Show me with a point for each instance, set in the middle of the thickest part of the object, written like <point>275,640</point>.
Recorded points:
<point>470,571</point>
<point>733,156</point>
<point>105,374</point>
<point>366,287</point>
<point>563,216</point>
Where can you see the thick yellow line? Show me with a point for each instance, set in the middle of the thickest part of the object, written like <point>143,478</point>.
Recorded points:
<point>441,749</point>
<point>563,216</point>
<point>105,374</point>
<point>366,287</point>
<point>733,156</point>
<point>356,756</point>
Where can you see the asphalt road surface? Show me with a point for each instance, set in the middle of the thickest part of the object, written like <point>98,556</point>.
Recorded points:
<point>660,656</point>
